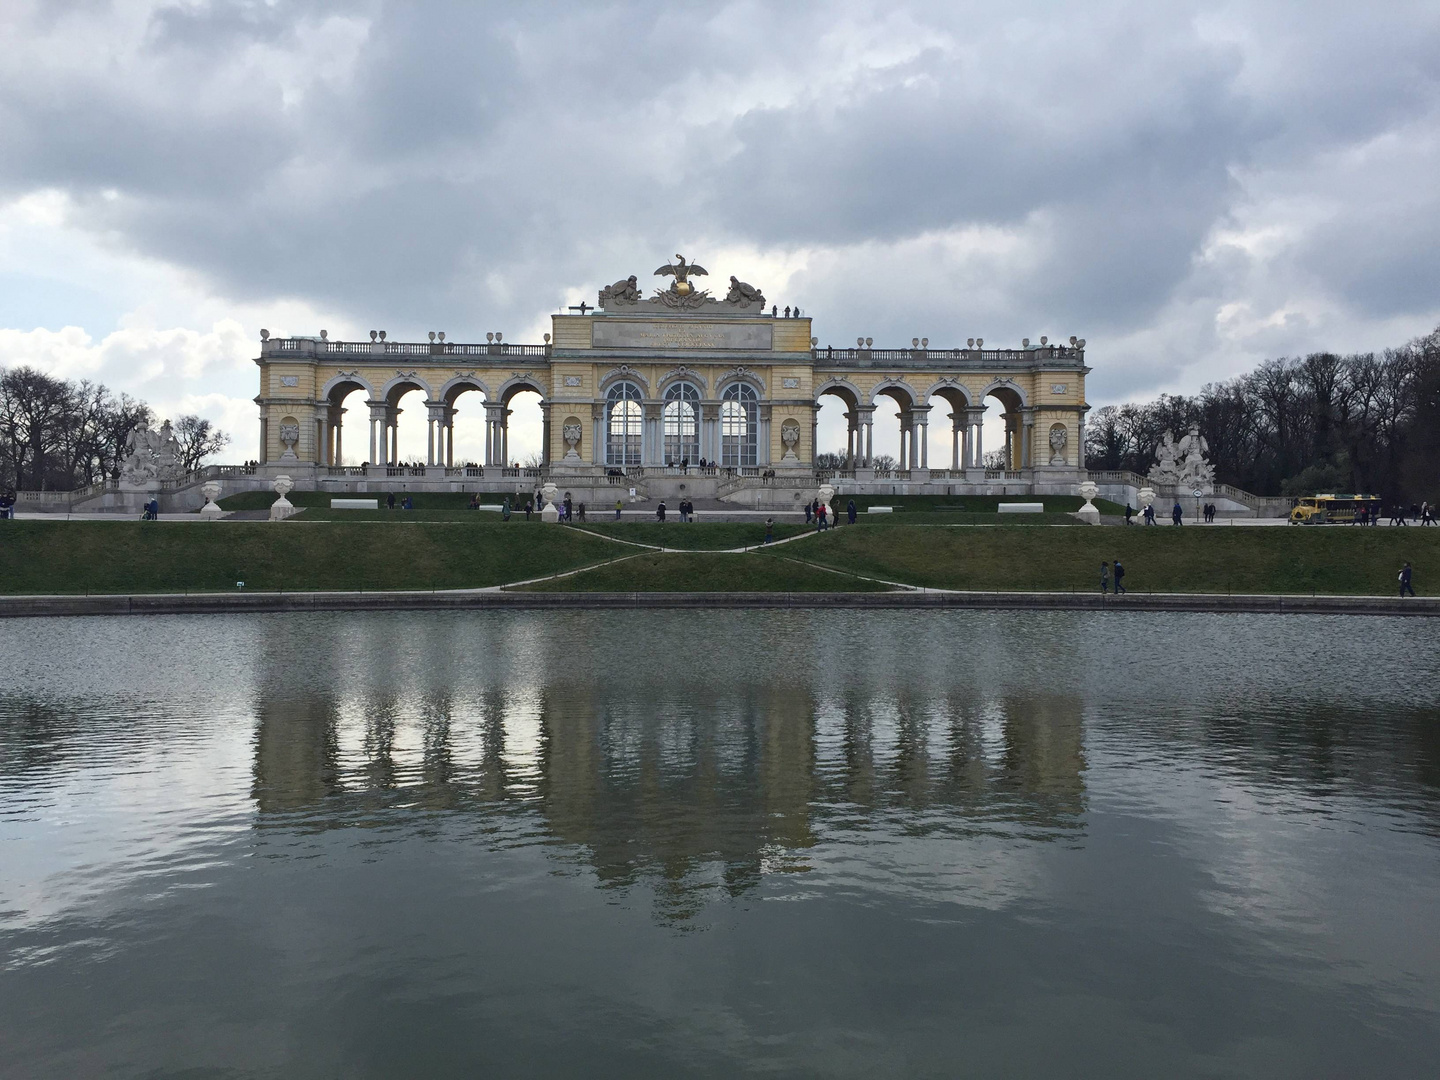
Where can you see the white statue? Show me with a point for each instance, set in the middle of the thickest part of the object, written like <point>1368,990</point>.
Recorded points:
<point>1182,465</point>
<point>549,494</point>
<point>1089,513</point>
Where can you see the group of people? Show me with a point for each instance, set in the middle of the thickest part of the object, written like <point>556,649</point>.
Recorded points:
<point>687,510</point>
<point>818,514</point>
<point>1422,514</point>
<point>1105,577</point>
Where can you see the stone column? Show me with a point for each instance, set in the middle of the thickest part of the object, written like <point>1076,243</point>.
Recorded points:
<point>1027,439</point>
<point>920,437</point>
<point>1080,442</point>
<point>545,409</point>
<point>867,417</point>
<point>597,441</point>
<point>652,445</point>
<point>980,440</point>
<point>378,414</point>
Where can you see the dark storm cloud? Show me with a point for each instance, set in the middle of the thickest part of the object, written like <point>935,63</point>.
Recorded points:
<point>467,164</point>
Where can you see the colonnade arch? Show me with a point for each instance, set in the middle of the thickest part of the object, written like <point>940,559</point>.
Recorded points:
<point>859,420</point>
<point>1017,420</point>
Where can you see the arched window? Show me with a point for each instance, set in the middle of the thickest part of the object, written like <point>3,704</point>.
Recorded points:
<point>682,424</point>
<point>738,426</point>
<point>622,426</point>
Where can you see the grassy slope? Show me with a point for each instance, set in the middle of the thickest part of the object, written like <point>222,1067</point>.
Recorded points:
<point>697,536</point>
<point>707,572</point>
<point>1337,560</point>
<point>132,556</point>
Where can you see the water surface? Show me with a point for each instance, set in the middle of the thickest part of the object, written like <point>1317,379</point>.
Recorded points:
<point>689,843</point>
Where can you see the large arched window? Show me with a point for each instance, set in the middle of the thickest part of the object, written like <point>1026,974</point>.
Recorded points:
<point>682,424</point>
<point>738,426</point>
<point>622,425</point>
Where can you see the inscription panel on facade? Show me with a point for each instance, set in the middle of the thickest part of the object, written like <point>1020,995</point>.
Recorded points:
<point>607,334</point>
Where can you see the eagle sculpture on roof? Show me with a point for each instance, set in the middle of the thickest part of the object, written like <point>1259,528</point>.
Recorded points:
<point>680,270</point>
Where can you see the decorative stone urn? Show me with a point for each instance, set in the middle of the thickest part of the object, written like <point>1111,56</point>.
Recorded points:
<point>789,438</point>
<point>826,495</point>
<point>1058,438</point>
<point>1089,513</point>
<point>289,438</point>
<point>1146,495</point>
<point>550,493</point>
<point>282,507</point>
<point>211,510</point>
<point>571,434</point>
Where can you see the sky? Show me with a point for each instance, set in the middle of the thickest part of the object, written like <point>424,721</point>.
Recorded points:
<point>1191,187</point>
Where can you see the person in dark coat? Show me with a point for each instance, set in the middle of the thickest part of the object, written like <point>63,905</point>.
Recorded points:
<point>1119,574</point>
<point>1405,583</point>
<point>1104,578</point>
<point>1177,514</point>
<point>850,511</point>
<point>660,511</point>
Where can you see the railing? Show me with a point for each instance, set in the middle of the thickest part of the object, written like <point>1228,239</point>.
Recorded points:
<point>891,357</point>
<point>347,470</point>
<point>359,349</point>
<point>474,471</point>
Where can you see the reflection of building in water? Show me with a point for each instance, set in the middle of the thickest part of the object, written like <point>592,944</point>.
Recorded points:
<point>693,794</point>
<point>671,788</point>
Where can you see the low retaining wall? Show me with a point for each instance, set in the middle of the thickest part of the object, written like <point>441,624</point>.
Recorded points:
<point>210,603</point>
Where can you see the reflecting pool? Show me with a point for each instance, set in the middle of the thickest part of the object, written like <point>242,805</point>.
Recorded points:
<point>706,844</point>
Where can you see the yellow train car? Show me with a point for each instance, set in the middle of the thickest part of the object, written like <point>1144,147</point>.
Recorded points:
<point>1334,509</point>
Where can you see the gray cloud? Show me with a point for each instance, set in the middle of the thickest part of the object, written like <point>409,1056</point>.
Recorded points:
<point>1010,172</point>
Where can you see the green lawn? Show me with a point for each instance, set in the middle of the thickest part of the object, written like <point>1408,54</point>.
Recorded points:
<point>402,552</point>
<point>707,572</point>
<point>135,556</point>
<point>1336,560</point>
<point>695,536</point>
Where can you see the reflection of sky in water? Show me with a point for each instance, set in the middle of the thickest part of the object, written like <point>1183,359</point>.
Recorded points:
<point>1169,789</point>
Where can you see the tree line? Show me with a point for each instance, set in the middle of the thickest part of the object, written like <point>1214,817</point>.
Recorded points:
<point>1366,423</point>
<point>57,435</point>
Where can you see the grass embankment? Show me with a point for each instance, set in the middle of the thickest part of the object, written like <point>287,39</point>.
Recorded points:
<point>755,571</point>
<point>1334,560</point>
<point>135,557</point>
<point>694,536</point>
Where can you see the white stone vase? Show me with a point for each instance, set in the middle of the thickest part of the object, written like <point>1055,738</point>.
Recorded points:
<point>550,494</point>
<point>211,510</point>
<point>282,507</point>
<point>1089,513</point>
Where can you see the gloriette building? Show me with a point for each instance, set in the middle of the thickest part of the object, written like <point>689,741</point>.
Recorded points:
<point>639,390</point>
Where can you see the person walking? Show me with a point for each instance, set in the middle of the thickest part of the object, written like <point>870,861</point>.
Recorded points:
<point>1177,515</point>
<point>769,529</point>
<point>1104,578</point>
<point>850,511</point>
<point>820,516</point>
<point>1405,583</point>
<point>807,513</point>
<point>390,501</point>
<point>619,505</point>
<point>582,511</point>
<point>529,508</point>
<point>660,512</point>
<point>1150,514</point>
<point>504,509</point>
<point>1129,512</point>
<point>1119,574</point>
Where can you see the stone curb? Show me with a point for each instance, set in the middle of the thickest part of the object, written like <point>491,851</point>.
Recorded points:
<point>211,603</point>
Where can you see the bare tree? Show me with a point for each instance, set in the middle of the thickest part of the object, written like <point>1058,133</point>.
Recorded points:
<point>198,439</point>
